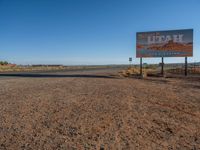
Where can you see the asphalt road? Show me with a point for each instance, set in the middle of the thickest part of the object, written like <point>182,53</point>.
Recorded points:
<point>93,72</point>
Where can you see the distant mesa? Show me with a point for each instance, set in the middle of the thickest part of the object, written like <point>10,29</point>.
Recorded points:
<point>50,65</point>
<point>139,46</point>
<point>172,46</point>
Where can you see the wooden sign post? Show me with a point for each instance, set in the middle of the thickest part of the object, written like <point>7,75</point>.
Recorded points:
<point>186,66</point>
<point>141,66</point>
<point>162,67</point>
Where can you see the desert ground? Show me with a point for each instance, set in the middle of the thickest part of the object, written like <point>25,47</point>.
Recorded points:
<point>98,109</point>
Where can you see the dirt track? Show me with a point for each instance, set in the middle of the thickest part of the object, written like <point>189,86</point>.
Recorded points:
<point>98,110</point>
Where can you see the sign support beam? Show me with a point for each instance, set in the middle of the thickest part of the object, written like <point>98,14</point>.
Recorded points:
<point>186,66</point>
<point>162,67</point>
<point>141,66</point>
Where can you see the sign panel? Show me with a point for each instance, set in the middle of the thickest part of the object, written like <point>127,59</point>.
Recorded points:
<point>172,43</point>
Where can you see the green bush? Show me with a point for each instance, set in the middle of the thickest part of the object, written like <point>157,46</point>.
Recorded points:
<point>3,62</point>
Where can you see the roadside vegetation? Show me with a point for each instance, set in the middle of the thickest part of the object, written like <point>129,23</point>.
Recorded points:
<point>8,67</point>
<point>155,70</point>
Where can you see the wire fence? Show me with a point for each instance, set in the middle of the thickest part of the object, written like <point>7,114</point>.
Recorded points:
<point>193,68</point>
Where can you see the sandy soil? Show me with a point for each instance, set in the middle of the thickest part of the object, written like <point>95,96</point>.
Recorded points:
<point>99,110</point>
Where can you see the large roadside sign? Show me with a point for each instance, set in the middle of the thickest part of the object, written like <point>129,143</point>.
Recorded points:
<point>171,43</point>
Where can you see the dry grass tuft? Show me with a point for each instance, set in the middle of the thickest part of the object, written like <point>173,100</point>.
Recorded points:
<point>7,68</point>
<point>135,71</point>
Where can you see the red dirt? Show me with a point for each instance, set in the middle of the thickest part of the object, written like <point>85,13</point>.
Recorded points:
<point>93,112</point>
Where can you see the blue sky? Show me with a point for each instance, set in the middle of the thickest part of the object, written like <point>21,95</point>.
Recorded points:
<point>74,32</point>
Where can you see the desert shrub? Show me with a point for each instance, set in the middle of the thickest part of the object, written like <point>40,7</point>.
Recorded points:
<point>3,63</point>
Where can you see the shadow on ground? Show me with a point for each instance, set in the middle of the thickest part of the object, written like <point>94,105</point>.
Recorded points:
<point>156,80</point>
<point>31,75</point>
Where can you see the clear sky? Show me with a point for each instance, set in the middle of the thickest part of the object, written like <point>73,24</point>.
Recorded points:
<point>74,32</point>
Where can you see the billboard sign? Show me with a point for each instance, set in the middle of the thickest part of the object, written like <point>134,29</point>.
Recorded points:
<point>172,43</point>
